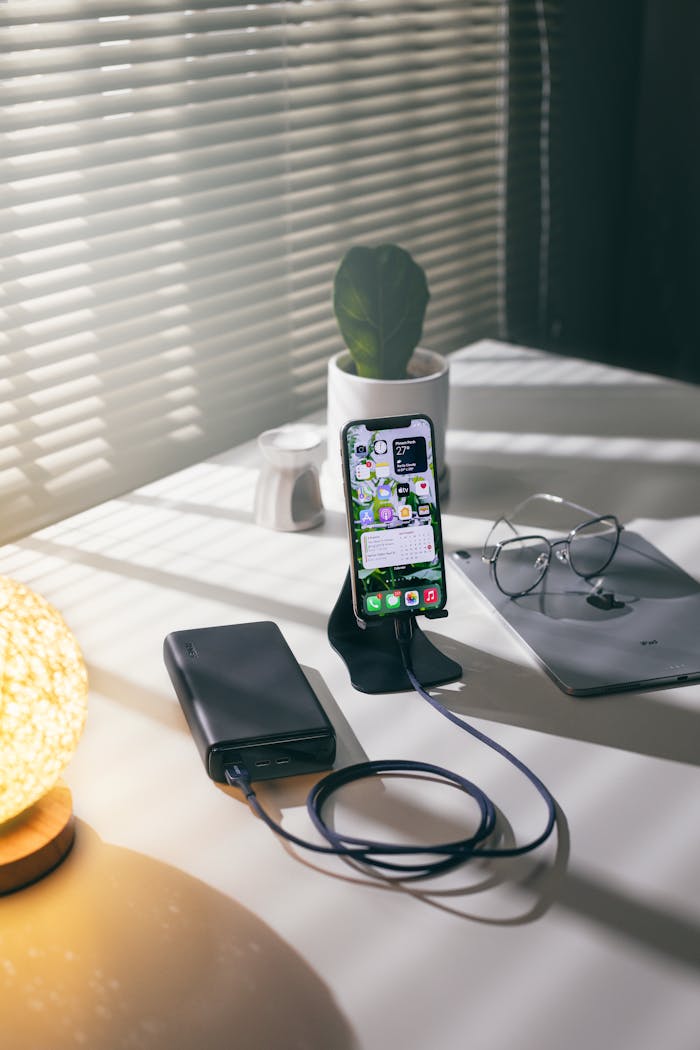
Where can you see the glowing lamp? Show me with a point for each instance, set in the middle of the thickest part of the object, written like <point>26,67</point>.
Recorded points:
<point>43,704</point>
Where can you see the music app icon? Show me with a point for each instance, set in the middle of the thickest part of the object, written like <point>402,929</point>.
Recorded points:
<point>430,595</point>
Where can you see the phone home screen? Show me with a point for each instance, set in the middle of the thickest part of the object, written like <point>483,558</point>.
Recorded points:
<point>395,518</point>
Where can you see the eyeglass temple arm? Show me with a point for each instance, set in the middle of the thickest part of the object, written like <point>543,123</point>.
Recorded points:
<point>552,499</point>
<point>488,552</point>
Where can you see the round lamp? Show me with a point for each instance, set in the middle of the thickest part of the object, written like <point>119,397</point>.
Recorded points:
<point>43,704</point>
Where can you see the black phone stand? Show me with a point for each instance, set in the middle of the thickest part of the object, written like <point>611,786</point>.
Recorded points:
<point>373,658</point>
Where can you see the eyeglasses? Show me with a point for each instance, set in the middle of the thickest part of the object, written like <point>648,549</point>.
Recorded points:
<point>520,563</point>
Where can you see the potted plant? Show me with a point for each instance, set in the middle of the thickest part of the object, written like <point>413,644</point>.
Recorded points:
<point>380,296</point>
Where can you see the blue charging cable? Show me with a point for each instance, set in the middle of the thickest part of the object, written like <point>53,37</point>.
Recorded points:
<point>409,862</point>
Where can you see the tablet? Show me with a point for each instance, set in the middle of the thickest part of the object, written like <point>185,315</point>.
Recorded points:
<point>635,626</point>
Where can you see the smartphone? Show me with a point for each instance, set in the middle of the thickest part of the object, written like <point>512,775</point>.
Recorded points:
<point>393,514</point>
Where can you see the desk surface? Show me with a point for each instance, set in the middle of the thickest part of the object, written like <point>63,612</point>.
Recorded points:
<point>180,921</point>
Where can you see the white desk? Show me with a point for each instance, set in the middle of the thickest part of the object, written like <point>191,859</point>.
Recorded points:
<point>179,921</point>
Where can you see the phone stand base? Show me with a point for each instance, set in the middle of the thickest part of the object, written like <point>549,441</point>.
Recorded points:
<point>373,658</point>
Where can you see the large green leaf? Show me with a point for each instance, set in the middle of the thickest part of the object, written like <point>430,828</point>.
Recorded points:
<point>380,297</point>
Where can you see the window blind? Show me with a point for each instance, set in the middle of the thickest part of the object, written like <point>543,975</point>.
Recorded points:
<point>179,183</point>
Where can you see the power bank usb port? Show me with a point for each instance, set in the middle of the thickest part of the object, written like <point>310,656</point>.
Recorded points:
<point>264,762</point>
<point>282,761</point>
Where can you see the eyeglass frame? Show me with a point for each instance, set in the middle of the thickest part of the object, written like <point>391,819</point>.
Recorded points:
<point>565,555</point>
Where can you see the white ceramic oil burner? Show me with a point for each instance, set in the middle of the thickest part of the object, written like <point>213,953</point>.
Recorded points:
<point>288,494</point>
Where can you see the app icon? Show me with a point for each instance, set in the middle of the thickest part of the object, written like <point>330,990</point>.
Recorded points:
<point>393,601</point>
<point>381,468</point>
<point>361,450</point>
<point>424,510</point>
<point>361,471</point>
<point>405,512</point>
<point>364,493</point>
<point>366,517</point>
<point>383,491</point>
<point>411,598</point>
<point>379,447</point>
<point>430,595</point>
<point>421,488</point>
<point>385,514</point>
<point>373,602</point>
<point>402,489</point>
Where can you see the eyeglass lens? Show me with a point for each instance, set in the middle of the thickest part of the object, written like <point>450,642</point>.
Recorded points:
<point>521,564</point>
<point>592,546</point>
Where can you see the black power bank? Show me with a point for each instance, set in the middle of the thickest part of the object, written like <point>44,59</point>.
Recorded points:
<point>247,701</point>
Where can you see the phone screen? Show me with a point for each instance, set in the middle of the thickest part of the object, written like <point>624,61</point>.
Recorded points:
<point>393,516</point>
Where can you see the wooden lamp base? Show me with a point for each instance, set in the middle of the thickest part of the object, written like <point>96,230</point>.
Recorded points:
<point>37,840</point>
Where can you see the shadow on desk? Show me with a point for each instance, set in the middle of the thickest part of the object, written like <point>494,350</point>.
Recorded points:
<point>649,723</point>
<point>523,422</point>
<point>116,949</point>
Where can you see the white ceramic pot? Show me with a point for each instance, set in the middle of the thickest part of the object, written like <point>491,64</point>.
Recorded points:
<point>353,397</point>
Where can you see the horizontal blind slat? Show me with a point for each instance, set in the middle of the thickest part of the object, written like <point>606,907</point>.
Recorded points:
<point>179,185</point>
